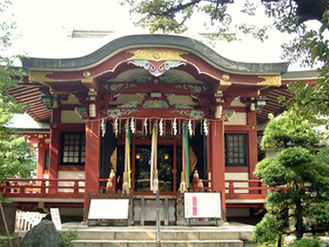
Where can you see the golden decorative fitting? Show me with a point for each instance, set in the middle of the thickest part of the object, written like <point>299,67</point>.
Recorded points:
<point>86,74</point>
<point>226,77</point>
<point>87,80</point>
<point>92,92</point>
<point>55,104</point>
<point>157,54</point>
<point>109,183</point>
<point>196,174</point>
<point>271,80</point>
<point>218,94</point>
<point>225,83</point>
<point>40,76</point>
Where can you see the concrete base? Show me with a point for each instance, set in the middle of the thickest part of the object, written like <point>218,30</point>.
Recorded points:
<point>164,243</point>
<point>232,235</point>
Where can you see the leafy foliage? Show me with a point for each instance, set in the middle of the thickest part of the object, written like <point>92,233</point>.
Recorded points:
<point>299,172</point>
<point>307,242</point>
<point>312,101</point>
<point>290,130</point>
<point>307,46</point>
<point>268,230</point>
<point>67,237</point>
<point>172,16</point>
<point>16,157</point>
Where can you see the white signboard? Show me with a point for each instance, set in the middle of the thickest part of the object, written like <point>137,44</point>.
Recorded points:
<point>202,205</point>
<point>56,218</point>
<point>108,209</point>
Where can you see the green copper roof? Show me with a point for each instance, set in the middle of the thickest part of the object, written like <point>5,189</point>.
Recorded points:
<point>301,74</point>
<point>179,42</point>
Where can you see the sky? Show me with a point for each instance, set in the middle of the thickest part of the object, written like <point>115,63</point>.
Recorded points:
<point>44,29</point>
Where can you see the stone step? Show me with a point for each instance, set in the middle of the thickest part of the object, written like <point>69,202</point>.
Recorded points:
<point>152,243</point>
<point>165,235</point>
<point>230,235</point>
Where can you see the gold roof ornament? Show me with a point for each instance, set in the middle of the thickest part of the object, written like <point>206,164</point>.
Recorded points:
<point>40,76</point>
<point>226,77</point>
<point>271,80</point>
<point>86,74</point>
<point>224,83</point>
<point>157,54</point>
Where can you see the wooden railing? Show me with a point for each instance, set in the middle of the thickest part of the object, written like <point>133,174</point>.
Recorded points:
<point>236,189</point>
<point>42,188</point>
<point>246,189</point>
<point>75,188</point>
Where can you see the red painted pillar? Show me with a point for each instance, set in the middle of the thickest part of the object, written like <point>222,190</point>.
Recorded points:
<point>92,159</point>
<point>252,149</point>
<point>217,160</point>
<point>252,144</point>
<point>41,160</point>
<point>54,146</point>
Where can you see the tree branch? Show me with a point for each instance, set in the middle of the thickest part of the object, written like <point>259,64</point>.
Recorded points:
<point>310,9</point>
<point>179,7</point>
<point>216,12</point>
<point>290,11</point>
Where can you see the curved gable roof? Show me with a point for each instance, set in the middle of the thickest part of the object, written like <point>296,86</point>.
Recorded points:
<point>180,42</point>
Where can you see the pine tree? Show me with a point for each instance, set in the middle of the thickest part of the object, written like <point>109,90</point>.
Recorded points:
<point>299,174</point>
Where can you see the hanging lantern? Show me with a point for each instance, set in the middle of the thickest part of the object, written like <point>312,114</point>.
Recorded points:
<point>92,110</point>
<point>218,111</point>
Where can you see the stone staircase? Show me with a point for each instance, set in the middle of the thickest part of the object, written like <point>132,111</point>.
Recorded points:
<point>233,235</point>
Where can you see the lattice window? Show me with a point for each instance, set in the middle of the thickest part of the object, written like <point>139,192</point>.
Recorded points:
<point>235,150</point>
<point>73,148</point>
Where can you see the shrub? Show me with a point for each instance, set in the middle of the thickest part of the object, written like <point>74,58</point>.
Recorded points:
<point>307,242</point>
<point>67,237</point>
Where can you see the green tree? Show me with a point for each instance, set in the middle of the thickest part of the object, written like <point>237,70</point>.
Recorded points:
<point>299,172</point>
<point>171,15</point>
<point>307,46</point>
<point>16,157</point>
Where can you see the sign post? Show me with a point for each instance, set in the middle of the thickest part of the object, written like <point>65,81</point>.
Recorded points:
<point>108,209</point>
<point>202,205</point>
<point>56,219</point>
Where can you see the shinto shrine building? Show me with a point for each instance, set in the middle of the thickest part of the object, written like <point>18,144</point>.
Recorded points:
<point>148,112</point>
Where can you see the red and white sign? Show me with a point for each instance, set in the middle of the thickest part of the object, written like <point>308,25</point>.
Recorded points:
<point>202,205</point>
<point>56,218</point>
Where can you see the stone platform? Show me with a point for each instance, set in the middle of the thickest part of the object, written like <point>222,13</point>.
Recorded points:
<point>230,235</point>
